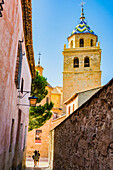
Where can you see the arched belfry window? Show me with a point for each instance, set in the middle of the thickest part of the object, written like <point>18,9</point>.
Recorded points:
<point>86,62</point>
<point>91,43</point>
<point>76,62</point>
<point>81,43</point>
<point>71,44</point>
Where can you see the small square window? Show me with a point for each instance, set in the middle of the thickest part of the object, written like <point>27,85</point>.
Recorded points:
<point>38,136</point>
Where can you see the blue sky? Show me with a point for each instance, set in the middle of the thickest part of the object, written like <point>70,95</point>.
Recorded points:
<point>54,20</point>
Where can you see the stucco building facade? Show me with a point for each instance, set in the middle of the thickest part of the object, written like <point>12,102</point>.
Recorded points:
<point>38,139</point>
<point>17,68</point>
<point>78,99</point>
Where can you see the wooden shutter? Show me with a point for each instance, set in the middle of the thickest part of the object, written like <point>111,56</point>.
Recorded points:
<point>18,65</point>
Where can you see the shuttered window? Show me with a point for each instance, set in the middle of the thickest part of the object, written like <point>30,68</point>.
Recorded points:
<point>18,65</point>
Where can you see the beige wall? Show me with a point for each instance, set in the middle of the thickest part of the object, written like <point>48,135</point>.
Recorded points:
<point>87,40</point>
<point>73,106</point>
<point>49,89</point>
<point>79,99</point>
<point>56,99</point>
<point>39,69</point>
<point>43,146</point>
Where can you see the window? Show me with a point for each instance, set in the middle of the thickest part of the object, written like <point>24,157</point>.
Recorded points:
<point>71,44</point>
<point>18,65</point>
<point>73,107</point>
<point>22,85</point>
<point>69,109</point>
<point>81,43</point>
<point>11,136</point>
<point>47,99</point>
<point>38,136</point>
<point>55,116</point>
<point>91,42</point>
<point>1,7</point>
<point>86,62</point>
<point>21,136</point>
<point>18,136</point>
<point>25,138</point>
<point>76,62</point>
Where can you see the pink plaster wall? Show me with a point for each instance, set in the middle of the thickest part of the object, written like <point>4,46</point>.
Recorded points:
<point>11,31</point>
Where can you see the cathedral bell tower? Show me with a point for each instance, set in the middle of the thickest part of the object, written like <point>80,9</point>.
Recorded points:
<point>39,68</point>
<point>82,59</point>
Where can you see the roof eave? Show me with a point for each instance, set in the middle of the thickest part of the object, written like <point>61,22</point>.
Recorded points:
<point>27,27</point>
<point>82,33</point>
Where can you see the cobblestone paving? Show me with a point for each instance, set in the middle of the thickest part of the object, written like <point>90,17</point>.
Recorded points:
<point>43,164</point>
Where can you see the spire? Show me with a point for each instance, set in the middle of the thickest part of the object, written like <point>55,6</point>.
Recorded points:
<point>39,68</point>
<point>39,58</point>
<point>82,9</point>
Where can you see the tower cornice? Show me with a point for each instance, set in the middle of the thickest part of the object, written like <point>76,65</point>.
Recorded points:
<point>81,50</point>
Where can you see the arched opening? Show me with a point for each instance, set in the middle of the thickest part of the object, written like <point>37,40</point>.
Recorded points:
<point>71,44</point>
<point>86,62</point>
<point>76,62</point>
<point>81,42</point>
<point>91,43</point>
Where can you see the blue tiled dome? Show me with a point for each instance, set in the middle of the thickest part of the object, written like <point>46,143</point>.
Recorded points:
<point>82,27</point>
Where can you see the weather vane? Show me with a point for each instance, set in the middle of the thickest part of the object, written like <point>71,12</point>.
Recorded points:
<point>82,3</point>
<point>82,14</point>
<point>39,58</point>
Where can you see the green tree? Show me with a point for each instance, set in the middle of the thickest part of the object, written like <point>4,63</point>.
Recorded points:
<point>40,114</point>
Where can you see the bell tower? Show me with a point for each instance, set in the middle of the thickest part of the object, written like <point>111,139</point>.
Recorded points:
<point>82,59</point>
<point>39,68</point>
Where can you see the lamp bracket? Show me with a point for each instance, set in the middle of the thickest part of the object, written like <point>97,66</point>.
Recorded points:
<point>26,92</point>
<point>23,105</point>
<point>23,54</point>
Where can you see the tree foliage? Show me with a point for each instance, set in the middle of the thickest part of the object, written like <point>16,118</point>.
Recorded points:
<point>40,114</point>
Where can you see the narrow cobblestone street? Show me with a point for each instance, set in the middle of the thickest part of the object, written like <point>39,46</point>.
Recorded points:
<point>43,164</point>
<point>36,168</point>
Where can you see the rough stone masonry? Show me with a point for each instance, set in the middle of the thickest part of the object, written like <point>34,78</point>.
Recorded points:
<point>84,141</point>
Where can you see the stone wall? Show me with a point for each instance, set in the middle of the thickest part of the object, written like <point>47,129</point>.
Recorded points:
<point>85,139</point>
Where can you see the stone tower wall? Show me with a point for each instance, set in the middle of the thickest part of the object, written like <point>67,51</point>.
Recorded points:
<point>85,139</point>
<point>81,78</point>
